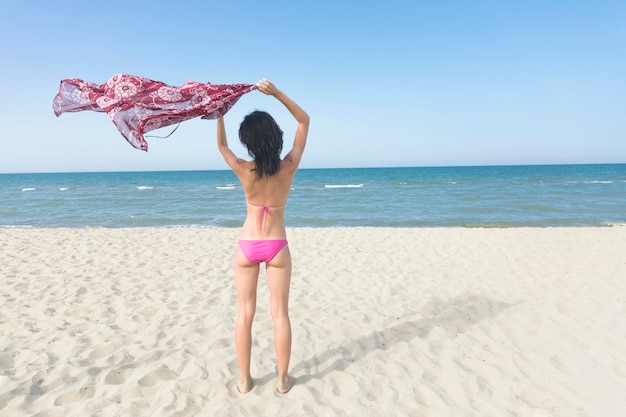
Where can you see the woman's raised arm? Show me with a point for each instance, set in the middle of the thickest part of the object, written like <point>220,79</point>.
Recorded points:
<point>294,156</point>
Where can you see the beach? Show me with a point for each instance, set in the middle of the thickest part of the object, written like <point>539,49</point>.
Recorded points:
<point>386,322</point>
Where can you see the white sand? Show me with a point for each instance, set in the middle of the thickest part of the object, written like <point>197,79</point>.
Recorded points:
<point>387,322</point>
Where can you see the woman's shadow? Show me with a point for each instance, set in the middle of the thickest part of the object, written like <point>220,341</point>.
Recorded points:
<point>455,316</point>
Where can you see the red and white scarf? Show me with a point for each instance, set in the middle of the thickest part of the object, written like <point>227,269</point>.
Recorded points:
<point>137,105</point>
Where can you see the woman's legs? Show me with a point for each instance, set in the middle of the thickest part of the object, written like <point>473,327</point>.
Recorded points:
<point>279,278</point>
<point>246,278</point>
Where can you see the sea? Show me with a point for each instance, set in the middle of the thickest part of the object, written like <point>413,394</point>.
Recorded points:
<point>475,196</point>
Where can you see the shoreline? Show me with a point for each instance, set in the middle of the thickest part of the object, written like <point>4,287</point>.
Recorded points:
<point>209,227</point>
<point>421,321</point>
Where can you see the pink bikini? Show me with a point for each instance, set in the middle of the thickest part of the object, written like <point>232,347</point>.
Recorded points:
<point>262,250</point>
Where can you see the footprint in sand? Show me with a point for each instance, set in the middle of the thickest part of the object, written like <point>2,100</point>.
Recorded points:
<point>98,353</point>
<point>345,386</point>
<point>37,387</point>
<point>116,376</point>
<point>102,351</point>
<point>535,398</point>
<point>157,376</point>
<point>431,377</point>
<point>557,363</point>
<point>71,397</point>
<point>32,327</point>
<point>6,361</point>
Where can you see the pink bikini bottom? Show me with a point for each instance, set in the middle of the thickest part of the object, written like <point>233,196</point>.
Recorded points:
<point>258,251</point>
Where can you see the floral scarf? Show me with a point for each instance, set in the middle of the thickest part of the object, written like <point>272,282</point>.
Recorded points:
<point>138,105</point>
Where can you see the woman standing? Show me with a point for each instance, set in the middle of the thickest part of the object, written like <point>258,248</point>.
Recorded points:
<point>266,181</point>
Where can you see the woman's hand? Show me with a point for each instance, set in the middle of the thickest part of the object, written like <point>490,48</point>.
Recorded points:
<point>267,87</point>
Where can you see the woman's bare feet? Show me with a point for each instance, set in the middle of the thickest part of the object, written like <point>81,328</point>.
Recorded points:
<point>244,387</point>
<point>286,384</point>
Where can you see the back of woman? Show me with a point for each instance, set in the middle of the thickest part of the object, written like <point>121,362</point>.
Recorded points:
<point>266,199</point>
<point>266,181</point>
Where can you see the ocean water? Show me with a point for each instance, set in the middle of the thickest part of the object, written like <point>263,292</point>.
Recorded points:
<point>493,196</point>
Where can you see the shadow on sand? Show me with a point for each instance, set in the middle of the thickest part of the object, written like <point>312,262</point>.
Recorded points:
<point>455,316</point>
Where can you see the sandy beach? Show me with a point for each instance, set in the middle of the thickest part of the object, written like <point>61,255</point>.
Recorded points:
<point>386,322</point>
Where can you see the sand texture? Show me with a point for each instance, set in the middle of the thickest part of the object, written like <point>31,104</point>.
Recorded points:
<point>386,322</point>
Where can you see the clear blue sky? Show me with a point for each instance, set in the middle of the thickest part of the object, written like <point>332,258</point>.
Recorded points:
<point>397,83</point>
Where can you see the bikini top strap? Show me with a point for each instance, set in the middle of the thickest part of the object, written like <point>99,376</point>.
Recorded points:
<point>263,210</point>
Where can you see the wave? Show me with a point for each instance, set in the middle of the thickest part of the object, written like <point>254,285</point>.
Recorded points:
<point>15,226</point>
<point>145,187</point>
<point>592,182</point>
<point>28,189</point>
<point>63,189</point>
<point>611,224</point>
<point>226,187</point>
<point>343,185</point>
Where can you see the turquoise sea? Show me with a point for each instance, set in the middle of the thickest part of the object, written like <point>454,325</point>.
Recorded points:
<point>492,196</point>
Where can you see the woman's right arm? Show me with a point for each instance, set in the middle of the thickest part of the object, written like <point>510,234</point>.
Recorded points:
<point>222,144</point>
<point>295,155</point>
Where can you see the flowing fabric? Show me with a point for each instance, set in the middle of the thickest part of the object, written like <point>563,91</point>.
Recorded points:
<point>137,105</point>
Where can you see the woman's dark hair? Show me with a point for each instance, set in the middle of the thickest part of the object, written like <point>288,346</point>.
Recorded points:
<point>262,136</point>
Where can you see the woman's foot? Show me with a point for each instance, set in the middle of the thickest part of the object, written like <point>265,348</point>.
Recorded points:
<point>286,384</point>
<point>244,387</point>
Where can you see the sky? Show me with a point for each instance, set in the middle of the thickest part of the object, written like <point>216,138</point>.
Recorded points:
<point>396,83</point>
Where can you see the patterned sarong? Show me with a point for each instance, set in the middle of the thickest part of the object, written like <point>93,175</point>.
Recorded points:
<point>138,105</point>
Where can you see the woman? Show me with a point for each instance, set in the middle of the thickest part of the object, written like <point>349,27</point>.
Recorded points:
<point>266,181</point>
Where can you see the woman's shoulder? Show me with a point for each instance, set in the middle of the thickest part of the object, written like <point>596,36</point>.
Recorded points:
<point>288,166</point>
